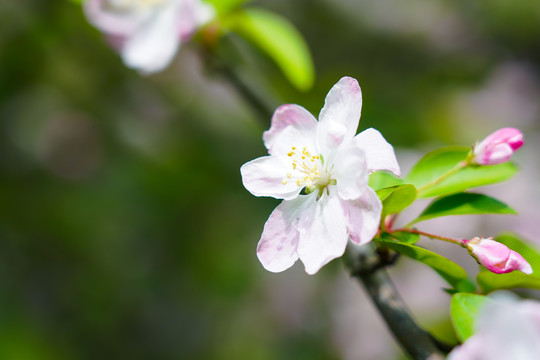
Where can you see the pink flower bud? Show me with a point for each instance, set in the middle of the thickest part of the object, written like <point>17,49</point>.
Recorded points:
<point>498,147</point>
<point>496,257</point>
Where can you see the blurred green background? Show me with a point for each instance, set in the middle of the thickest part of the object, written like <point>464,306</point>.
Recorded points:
<point>125,232</point>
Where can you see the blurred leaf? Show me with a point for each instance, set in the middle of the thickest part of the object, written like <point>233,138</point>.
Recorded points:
<point>464,204</point>
<point>524,248</point>
<point>464,310</point>
<point>280,40</point>
<point>489,281</point>
<point>438,162</point>
<point>441,328</point>
<point>383,179</point>
<point>396,198</point>
<point>225,6</point>
<point>454,274</point>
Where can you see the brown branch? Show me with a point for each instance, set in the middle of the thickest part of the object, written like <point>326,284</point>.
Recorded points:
<point>368,266</point>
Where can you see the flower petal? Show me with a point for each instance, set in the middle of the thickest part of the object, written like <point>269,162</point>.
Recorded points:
<point>498,147</point>
<point>323,233</point>
<point>153,45</point>
<point>497,154</point>
<point>264,176</point>
<point>112,22</point>
<point>279,241</point>
<point>343,105</point>
<point>193,14</point>
<point>350,169</point>
<point>491,254</point>
<point>330,136</point>
<point>290,115</point>
<point>517,262</point>
<point>363,217</point>
<point>379,153</point>
<point>473,349</point>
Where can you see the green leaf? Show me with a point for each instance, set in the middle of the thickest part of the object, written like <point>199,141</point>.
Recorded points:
<point>396,198</point>
<point>524,248</point>
<point>280,40</point>
<point>464,204</point>
<point>464,309</point>
<point>436,163</point>
<point>405,237</point>
<point>489,281</point>
<point>225,6</point>
<point>454,274</point>
<point>383,179</point>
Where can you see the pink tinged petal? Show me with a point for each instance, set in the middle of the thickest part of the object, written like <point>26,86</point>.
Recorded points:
<point>292,141</point>
<point>351,174</point>
<point>330,136</point>
<point>511,136</point>
<point>517,262</point>
<point>117,23</point>
<point>504,329</point>
<point>497,257</point>
<point>286,116</point>
<point>507,329</point>
<point>489,253</point>
<point>379,153</point>
<point>343,105</point>
<point>193,14</point>
<point>473,349</point>
<point>277,249</point>
<point>203,12</point>
<point>267,176</point>
<point>323,233</point>
<point>498,147</point>
<point>155,42</point>
<point>531,310</point>
<point>363,217</point>
<point>497,154</point>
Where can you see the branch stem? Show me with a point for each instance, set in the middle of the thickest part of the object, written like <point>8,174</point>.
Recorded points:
<point>368,267</point>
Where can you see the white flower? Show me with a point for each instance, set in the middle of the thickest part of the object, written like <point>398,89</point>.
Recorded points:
<point>506,329</point>
<point>148,32</point>
<point>332,166</point>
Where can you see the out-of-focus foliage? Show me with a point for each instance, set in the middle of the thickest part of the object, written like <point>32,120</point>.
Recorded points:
<point>125,231</point>
<point>526,249</point>
<point>225,6</point>
<point>280,40</point>
<point>489,281</point>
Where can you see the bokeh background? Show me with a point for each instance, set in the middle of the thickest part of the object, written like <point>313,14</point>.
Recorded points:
<point>125,232</point>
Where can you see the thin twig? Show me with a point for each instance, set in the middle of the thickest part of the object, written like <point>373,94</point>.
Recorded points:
<point>429,235</point>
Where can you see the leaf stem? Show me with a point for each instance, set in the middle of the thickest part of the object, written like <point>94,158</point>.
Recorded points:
<point>368,266</point>
<point>432,236</point>
<point>443,177</point>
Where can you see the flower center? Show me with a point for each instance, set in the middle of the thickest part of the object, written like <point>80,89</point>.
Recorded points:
<point>308,170</point>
